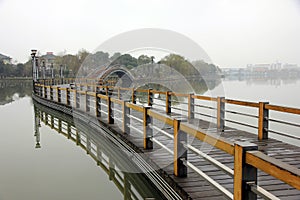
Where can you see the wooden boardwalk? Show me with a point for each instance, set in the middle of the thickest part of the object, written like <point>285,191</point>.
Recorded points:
<point>199,188</point>
<point>220,161</point>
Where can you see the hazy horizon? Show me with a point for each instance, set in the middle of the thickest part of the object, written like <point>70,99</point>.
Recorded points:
<point>233,33</point>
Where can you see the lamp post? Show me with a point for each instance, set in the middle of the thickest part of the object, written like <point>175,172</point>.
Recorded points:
<point>37,67</point>
<point>34,69</point>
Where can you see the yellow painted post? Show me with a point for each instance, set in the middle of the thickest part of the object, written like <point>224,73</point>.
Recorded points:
<point>180,152</point>
<point>110,111</point>
<point>263,124</point>
<point>243,172</point>
<point>148,132</point>
<point>133,96</point>
<point>150,97</point>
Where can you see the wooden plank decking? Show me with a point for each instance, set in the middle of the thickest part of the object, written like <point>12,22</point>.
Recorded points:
<point>199,188</point>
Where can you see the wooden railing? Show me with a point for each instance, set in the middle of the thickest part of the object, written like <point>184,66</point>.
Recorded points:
<point>102,100</point>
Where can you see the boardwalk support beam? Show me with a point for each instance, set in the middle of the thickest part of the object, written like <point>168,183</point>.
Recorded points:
<point>180,152</point>
<point>243,172</point>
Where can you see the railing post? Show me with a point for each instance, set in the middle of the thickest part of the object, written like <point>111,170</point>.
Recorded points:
<point>77,97</point>
<point>180,152</point>
<point>59,126</point>
<point>68,97</point>
<point>119,94</point>
<point>127,187</point>
<point>150,97</point>
<point>69,130</point>
<point>51,93</point>
<point>78,140</point>
<point>220,113</point>
<point>45,92</point>
<point>99,155</point>
<point>133,97</point>
<point>87,102</point>
<point>98,106</point>
<point>191,106</point>
<point>110,114</point>
<point>111,164</point>
<point>88,145</point>
<point>106,90</point>
<point>52,122</point>
<point>126,119</point>
<point>263,124</point>
<point>243,172</point>
<point>148,132</point>
<point>168,102</point>
<point>58,92</point>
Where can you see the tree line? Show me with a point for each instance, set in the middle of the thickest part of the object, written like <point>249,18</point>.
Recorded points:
<point>84,59</point>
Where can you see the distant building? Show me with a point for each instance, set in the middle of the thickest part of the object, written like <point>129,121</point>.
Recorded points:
<point>5,59</point>
<point>47,60</point>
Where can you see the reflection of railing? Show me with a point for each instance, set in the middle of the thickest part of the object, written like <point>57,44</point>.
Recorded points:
<point>131,185</point>
<point>247,160</point>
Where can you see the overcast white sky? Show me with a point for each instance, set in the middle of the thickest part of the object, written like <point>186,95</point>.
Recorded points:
<point>234,33</point>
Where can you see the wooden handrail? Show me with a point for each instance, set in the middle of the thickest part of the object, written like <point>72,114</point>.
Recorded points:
<point>283,109</point>
<point>116,101</point>
<point>134,107</point>
<point>204,98</point>
<point>282,171</point>
<point>241,103</point>
<point>212,139</point>
<point>164,118</point>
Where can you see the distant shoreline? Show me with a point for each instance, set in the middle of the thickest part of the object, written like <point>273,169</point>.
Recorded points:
<point>15,78</point>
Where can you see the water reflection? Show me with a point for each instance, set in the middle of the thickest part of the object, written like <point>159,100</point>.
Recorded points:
<point>11,90</point>
<point>112,160</point>
<point>259,80</point>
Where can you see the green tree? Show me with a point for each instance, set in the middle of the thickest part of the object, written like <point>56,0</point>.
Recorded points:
<point>143,59</point>
<point>125,60</point>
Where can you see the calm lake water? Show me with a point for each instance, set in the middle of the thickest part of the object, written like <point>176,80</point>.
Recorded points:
<point>62,170</point>
<point>57,170</point>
